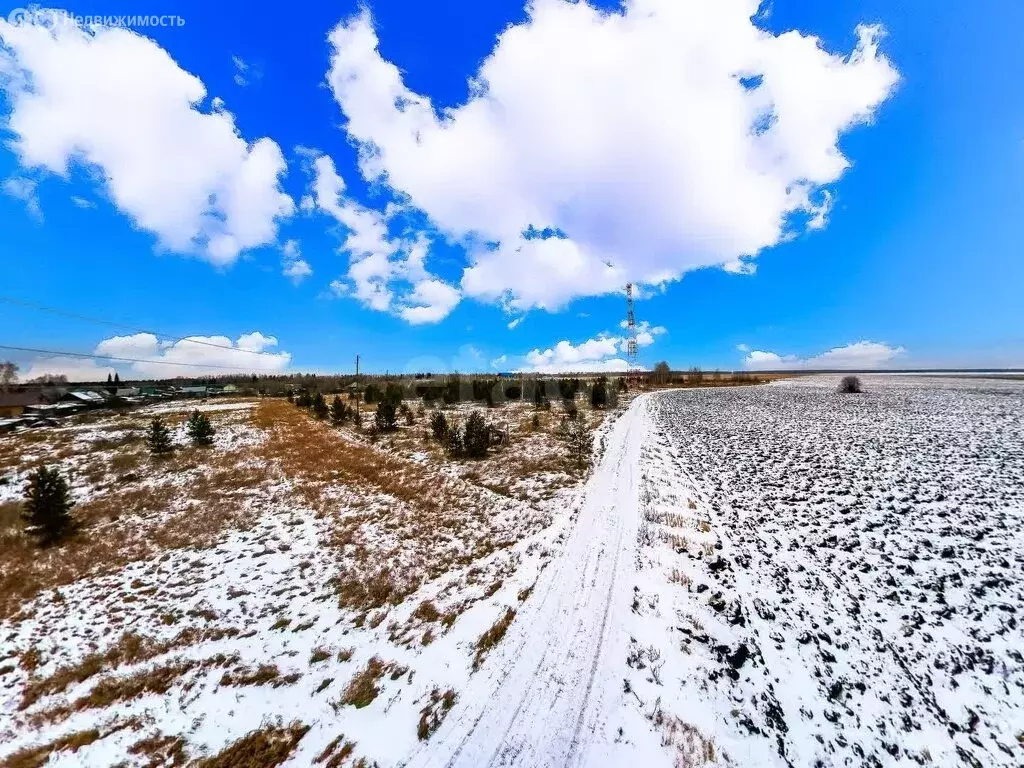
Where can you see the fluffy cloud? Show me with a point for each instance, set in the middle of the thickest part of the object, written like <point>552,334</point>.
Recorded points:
<point>195,355</point>
<point>293,266</point>
<point>601,353</point>
<point>73,368</point>
<point>118,103</point>
<point>24,189</point>
<point>600,147</point>
<point>861,355</point>
<point>385,273</point>
<point>430,302</point>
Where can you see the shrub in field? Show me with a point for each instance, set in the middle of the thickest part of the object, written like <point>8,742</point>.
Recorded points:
<point>599,393</point>
<point>199,429</point>
<point>386,418</point>
<point>849,385</point>
<point>439,426</point>
<point>578,442</point>
<point>406,413</point>
<point>357,416</point>
<point>477,437</point>
<point>571,411</point>
<point>47,508</point>
<point>535,421</point>
<point>320,409</point>
<point>304,400</point>
<point>337,410</point>
<point>158,437</point>
<point>291,396</point>
<point>453,443</point>
<point>394,394</point>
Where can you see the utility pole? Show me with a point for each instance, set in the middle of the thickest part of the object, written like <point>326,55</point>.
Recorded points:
<point>631,345</point>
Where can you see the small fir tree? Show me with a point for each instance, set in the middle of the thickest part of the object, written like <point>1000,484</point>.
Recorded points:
<point>453,441</point>
<point>337,410</point>
<point>199,429</point>
<point>159,438</point>
<point>291,396</point>
<point>579,443</point>
<point>406,413</point>
<point>320,409</point>
<point>599,393</point>
<point>439,426</point>
<point>47,510</point>
<point>477,437</point>
<point>386,418</point>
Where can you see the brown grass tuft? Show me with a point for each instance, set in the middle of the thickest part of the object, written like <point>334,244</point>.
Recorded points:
<point>492,637</point>
<point>362,689</point>
<point>264,748</point>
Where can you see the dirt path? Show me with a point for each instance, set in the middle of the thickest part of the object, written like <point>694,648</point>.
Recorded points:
<point>544,696</point>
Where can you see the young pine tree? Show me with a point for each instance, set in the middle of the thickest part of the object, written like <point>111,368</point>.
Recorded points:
<point>477,437</point>
<point>599,393</point>
<point>337,410</point>
<point>439,426</point>
<point>579,443</point>
<point>199,429</point>
<point>453,442</point>
<point>47,511</point>
<point>320,409</point>
<point>386,418</point>
<point>159,438</point>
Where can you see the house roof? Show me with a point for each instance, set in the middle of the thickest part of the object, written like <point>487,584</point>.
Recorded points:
<point>86,396</point>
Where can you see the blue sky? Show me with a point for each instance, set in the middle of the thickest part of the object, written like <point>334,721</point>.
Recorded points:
<point>635,147</point>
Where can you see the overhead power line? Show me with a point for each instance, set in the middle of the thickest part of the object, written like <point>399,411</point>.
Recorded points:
<point>123,326</point>
<point>60,353</point>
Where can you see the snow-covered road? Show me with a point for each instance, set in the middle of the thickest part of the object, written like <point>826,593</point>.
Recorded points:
<point>546,695</point>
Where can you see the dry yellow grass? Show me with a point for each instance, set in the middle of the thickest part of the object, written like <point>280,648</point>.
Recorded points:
<point>492,637</point>
<point>112,690</point>
<point>362,689</point>
<point>129,521</point>
<point>265,748</point>
<point>36,757</point>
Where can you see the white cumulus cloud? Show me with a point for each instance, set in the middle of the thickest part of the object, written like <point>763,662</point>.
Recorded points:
<point>385,273</point>
<point>195,355</point>
<point>601,353</point>
<point>861,355</point>
<point>599,147</point>
<point>117,103</point>
<point>293,266</point>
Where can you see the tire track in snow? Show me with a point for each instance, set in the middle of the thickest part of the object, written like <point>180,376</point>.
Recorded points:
<point>544,695</point>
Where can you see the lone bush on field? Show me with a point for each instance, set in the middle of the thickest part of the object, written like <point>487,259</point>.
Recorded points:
<point>453,441</point>
<point>158,437</point>
<point>386,418</point>
<point>579,443</point>
<point>850,385</point>
<point>337,410</point>
<point>599,393</point>
<point>439,426</point>
<point>477,437</point>
<point>47,510</point>
<point>320,409</point>
<point>199,429</point>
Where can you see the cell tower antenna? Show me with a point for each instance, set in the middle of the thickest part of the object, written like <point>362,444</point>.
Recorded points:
<point>631,345</point>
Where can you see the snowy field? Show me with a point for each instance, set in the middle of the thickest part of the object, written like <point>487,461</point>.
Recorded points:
<point>750,576</point>
<point>834,579</point>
